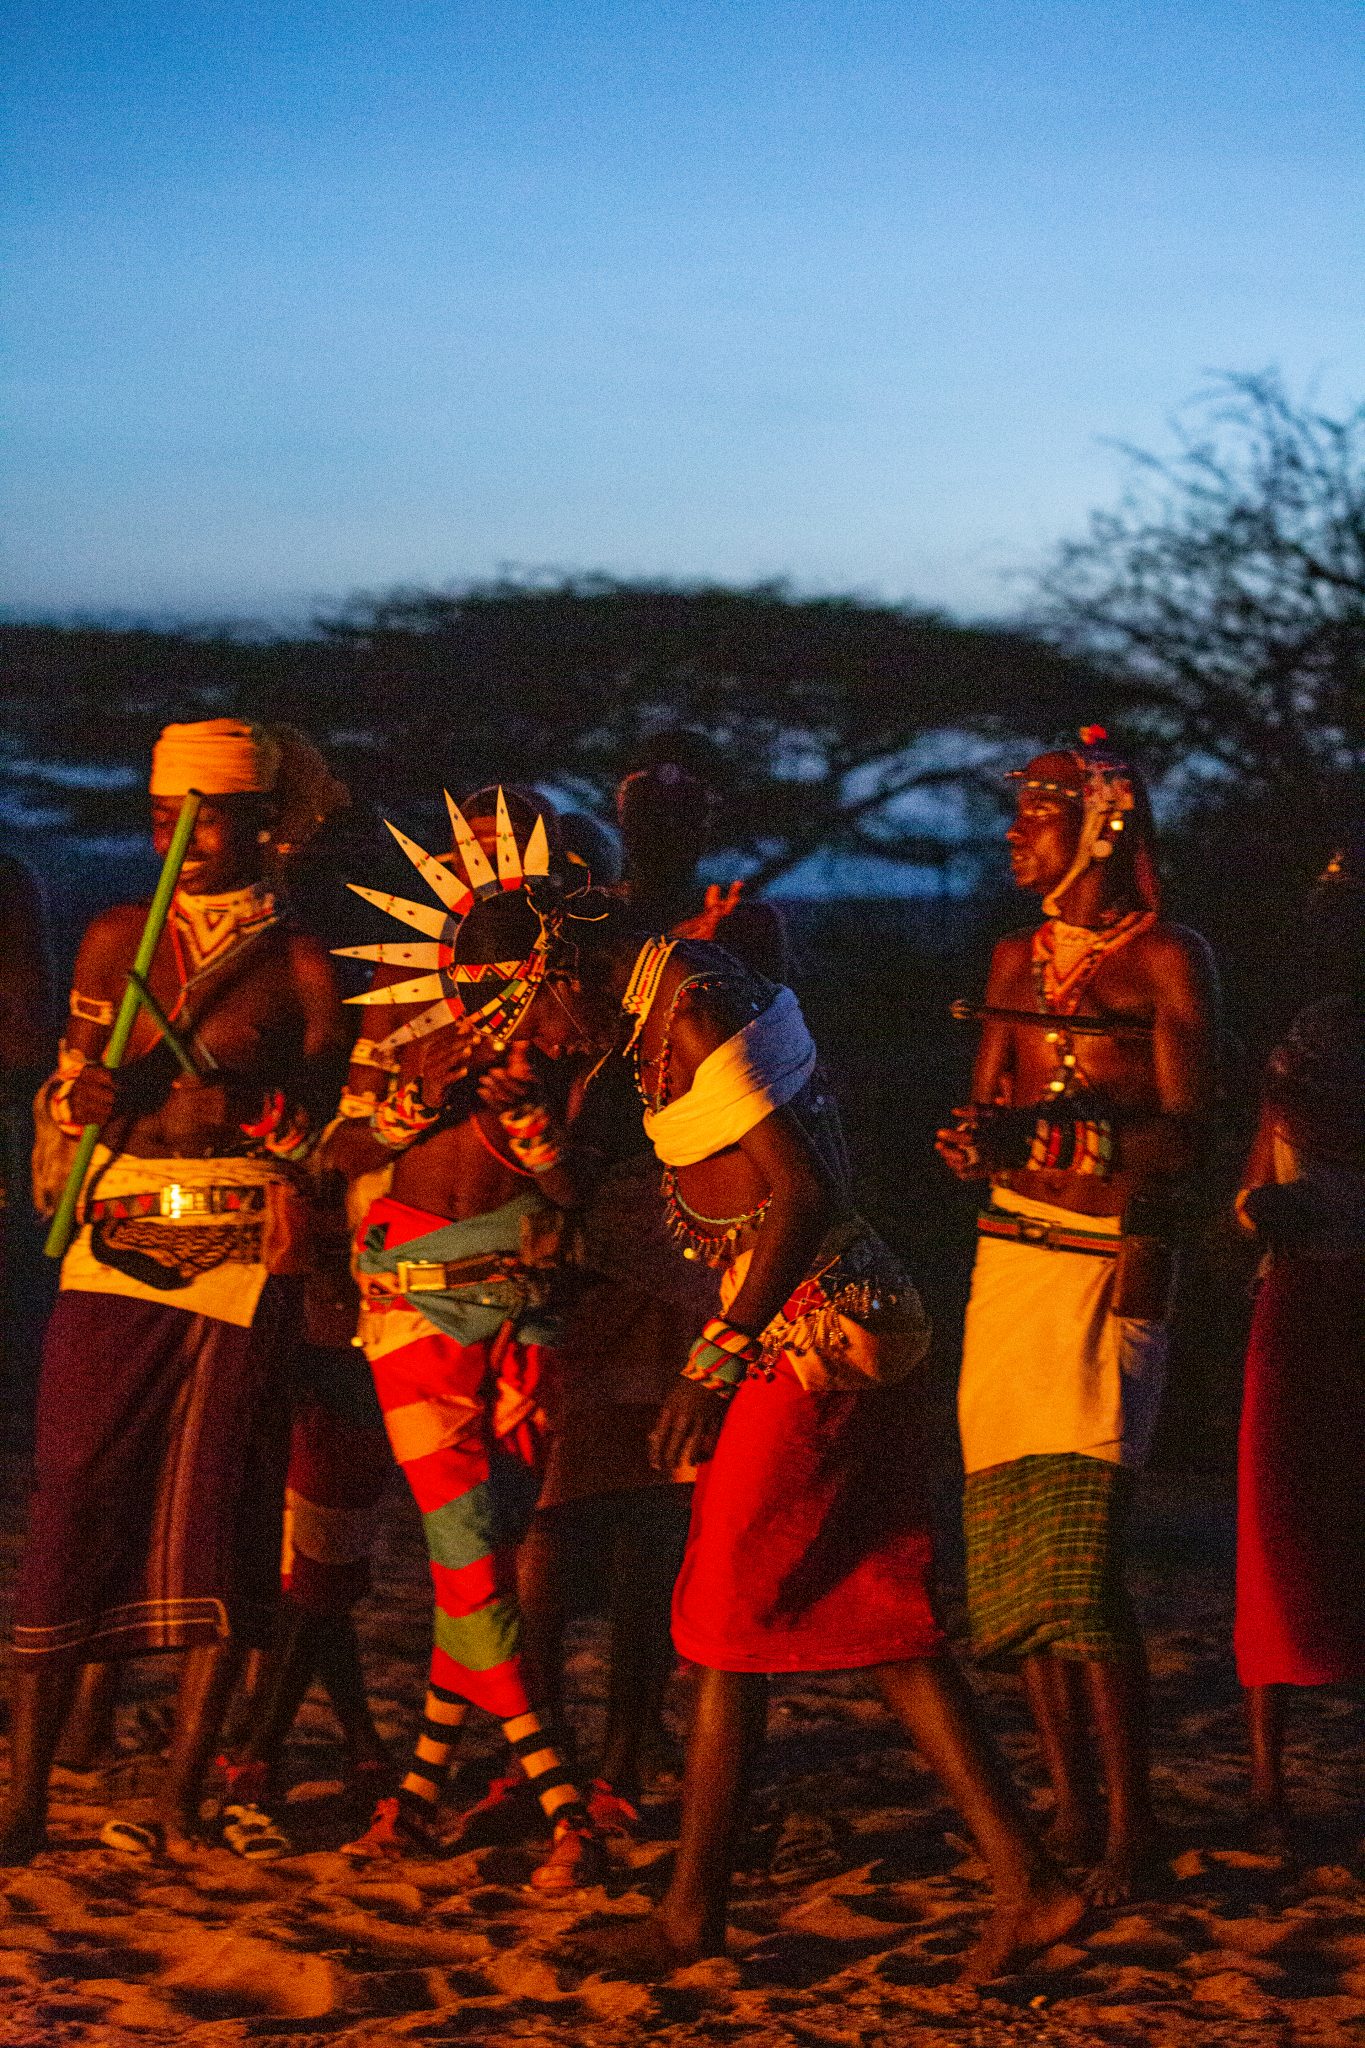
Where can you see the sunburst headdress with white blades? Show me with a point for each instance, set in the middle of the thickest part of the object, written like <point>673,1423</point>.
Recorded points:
<point>517,905</point>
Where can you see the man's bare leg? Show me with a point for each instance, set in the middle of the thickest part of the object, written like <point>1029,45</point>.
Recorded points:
<point>89,1731</point>
<point>1051,1685</point>
<point>1117,1693</point>
<point>1269,1807</point>
<point>1035,1905</point>
<point>206,1681</point>
<point>39,1700</point>
<point>311,1646</point>
<point>336,1662</point>
<point>540,1597</point>
<point>644,1564</point>
<point>729,1719</point>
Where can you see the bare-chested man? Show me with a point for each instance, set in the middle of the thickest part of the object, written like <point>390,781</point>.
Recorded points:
<point>155,1520</point>
<point>810,1546</point>
<point>1084,1135</point>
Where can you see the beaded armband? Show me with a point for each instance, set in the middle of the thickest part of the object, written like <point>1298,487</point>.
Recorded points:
<point>534,1139</point>
<point>369,1052</point>
<point>91,1009</point>
<point>722,1356</point>
<point>361,1102</point>
<point>353,1106</point>
<point>71,1064</point>
<point>1072,1145</point>
<point>402,1117</point>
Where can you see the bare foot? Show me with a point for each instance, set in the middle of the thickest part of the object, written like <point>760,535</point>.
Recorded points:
<point>1021,1928</point>
<point>21,1837</point>
<point>1070,1837</point>
<point>182,1838</point>
<point>642,1949</point>
<point>1131,1869</point>
<point>1269,1831</point>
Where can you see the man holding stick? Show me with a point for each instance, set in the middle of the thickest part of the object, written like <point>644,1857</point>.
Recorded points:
<point>1090,1100</point>
<point>155,1518</point>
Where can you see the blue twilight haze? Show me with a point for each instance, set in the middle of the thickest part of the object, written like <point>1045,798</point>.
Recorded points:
<point>310,297</point>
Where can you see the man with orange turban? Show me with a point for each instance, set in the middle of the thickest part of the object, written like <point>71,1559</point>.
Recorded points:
<point>155,1517</point>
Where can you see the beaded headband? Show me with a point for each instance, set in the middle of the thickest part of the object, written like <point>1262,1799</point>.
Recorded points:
<point>1107,794</point>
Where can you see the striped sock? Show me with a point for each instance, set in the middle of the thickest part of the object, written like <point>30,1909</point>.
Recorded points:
<point>538,1757</point>
<point>442,1718</point>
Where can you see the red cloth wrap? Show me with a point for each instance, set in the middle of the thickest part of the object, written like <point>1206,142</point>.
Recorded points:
<point>1300,1503</point>
<point>810,1545</point>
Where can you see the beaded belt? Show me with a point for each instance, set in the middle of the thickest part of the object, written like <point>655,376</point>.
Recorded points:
<point>176,1203</point>
<point>1047,1237</point>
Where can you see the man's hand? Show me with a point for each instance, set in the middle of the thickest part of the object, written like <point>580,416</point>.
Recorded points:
<point>708,920</point>
<point>447,1057</point>
<point>94,1096</point>
<point>688,1427</point>
<point>513,1081</point>
<point>963,1145</point>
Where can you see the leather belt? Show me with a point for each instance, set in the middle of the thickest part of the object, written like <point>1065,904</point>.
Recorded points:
<point>176,1203</point>
<point>437,1276</point>
<point>1046,1237</point>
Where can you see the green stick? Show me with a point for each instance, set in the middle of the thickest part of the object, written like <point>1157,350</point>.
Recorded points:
<point>188,1065</point>
<point>63,1223</point>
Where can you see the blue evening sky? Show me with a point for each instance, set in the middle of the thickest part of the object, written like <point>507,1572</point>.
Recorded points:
<point>332,294</point>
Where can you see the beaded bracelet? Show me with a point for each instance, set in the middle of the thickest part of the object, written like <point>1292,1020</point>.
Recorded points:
<point>722,1356</point>
<point>533,1137</point>
<point>402,1117</point>
<point>71,1064</point>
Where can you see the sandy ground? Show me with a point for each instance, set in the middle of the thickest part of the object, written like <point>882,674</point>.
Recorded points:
<point>857,1890</point>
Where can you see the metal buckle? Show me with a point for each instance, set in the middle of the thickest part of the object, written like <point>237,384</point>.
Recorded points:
<point>1033,1230</point>
<point>421,1276</point>
<point>177,1201</point>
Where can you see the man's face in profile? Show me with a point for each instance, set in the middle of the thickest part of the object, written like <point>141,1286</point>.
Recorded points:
<point>1046,829</point>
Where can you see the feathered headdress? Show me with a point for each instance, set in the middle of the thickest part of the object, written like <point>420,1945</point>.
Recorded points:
<point>494,993</point>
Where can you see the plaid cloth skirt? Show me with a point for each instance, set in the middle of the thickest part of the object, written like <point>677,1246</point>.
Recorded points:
<point>1043,1542</point>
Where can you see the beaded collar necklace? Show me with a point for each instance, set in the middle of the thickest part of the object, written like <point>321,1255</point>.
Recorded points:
<point>204,929</point>
<point>713,1243</point>
<point>1059,988</point>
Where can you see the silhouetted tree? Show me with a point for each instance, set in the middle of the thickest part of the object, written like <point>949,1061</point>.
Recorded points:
<point>830,712</point>
<point>1227,592</point>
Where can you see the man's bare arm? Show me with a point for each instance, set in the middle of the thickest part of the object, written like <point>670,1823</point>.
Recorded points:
<point>959,1144</point>
<point>800,1211</point>
<point>801,1204</point>
<point>1172,1139</point>
<point>993,1068</point>
<point>326,1041</point>
<point>25,979</point>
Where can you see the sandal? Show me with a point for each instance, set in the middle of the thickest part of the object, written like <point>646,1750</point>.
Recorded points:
<point>395,1830</point>
<point>577,1858</point>
<point>133,1837</point>
<point>250,1832</point>
<point>507,1810</point>
<point>611,1813</point>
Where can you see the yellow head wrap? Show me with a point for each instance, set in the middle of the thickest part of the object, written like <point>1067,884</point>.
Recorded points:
<point>218,757</point>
